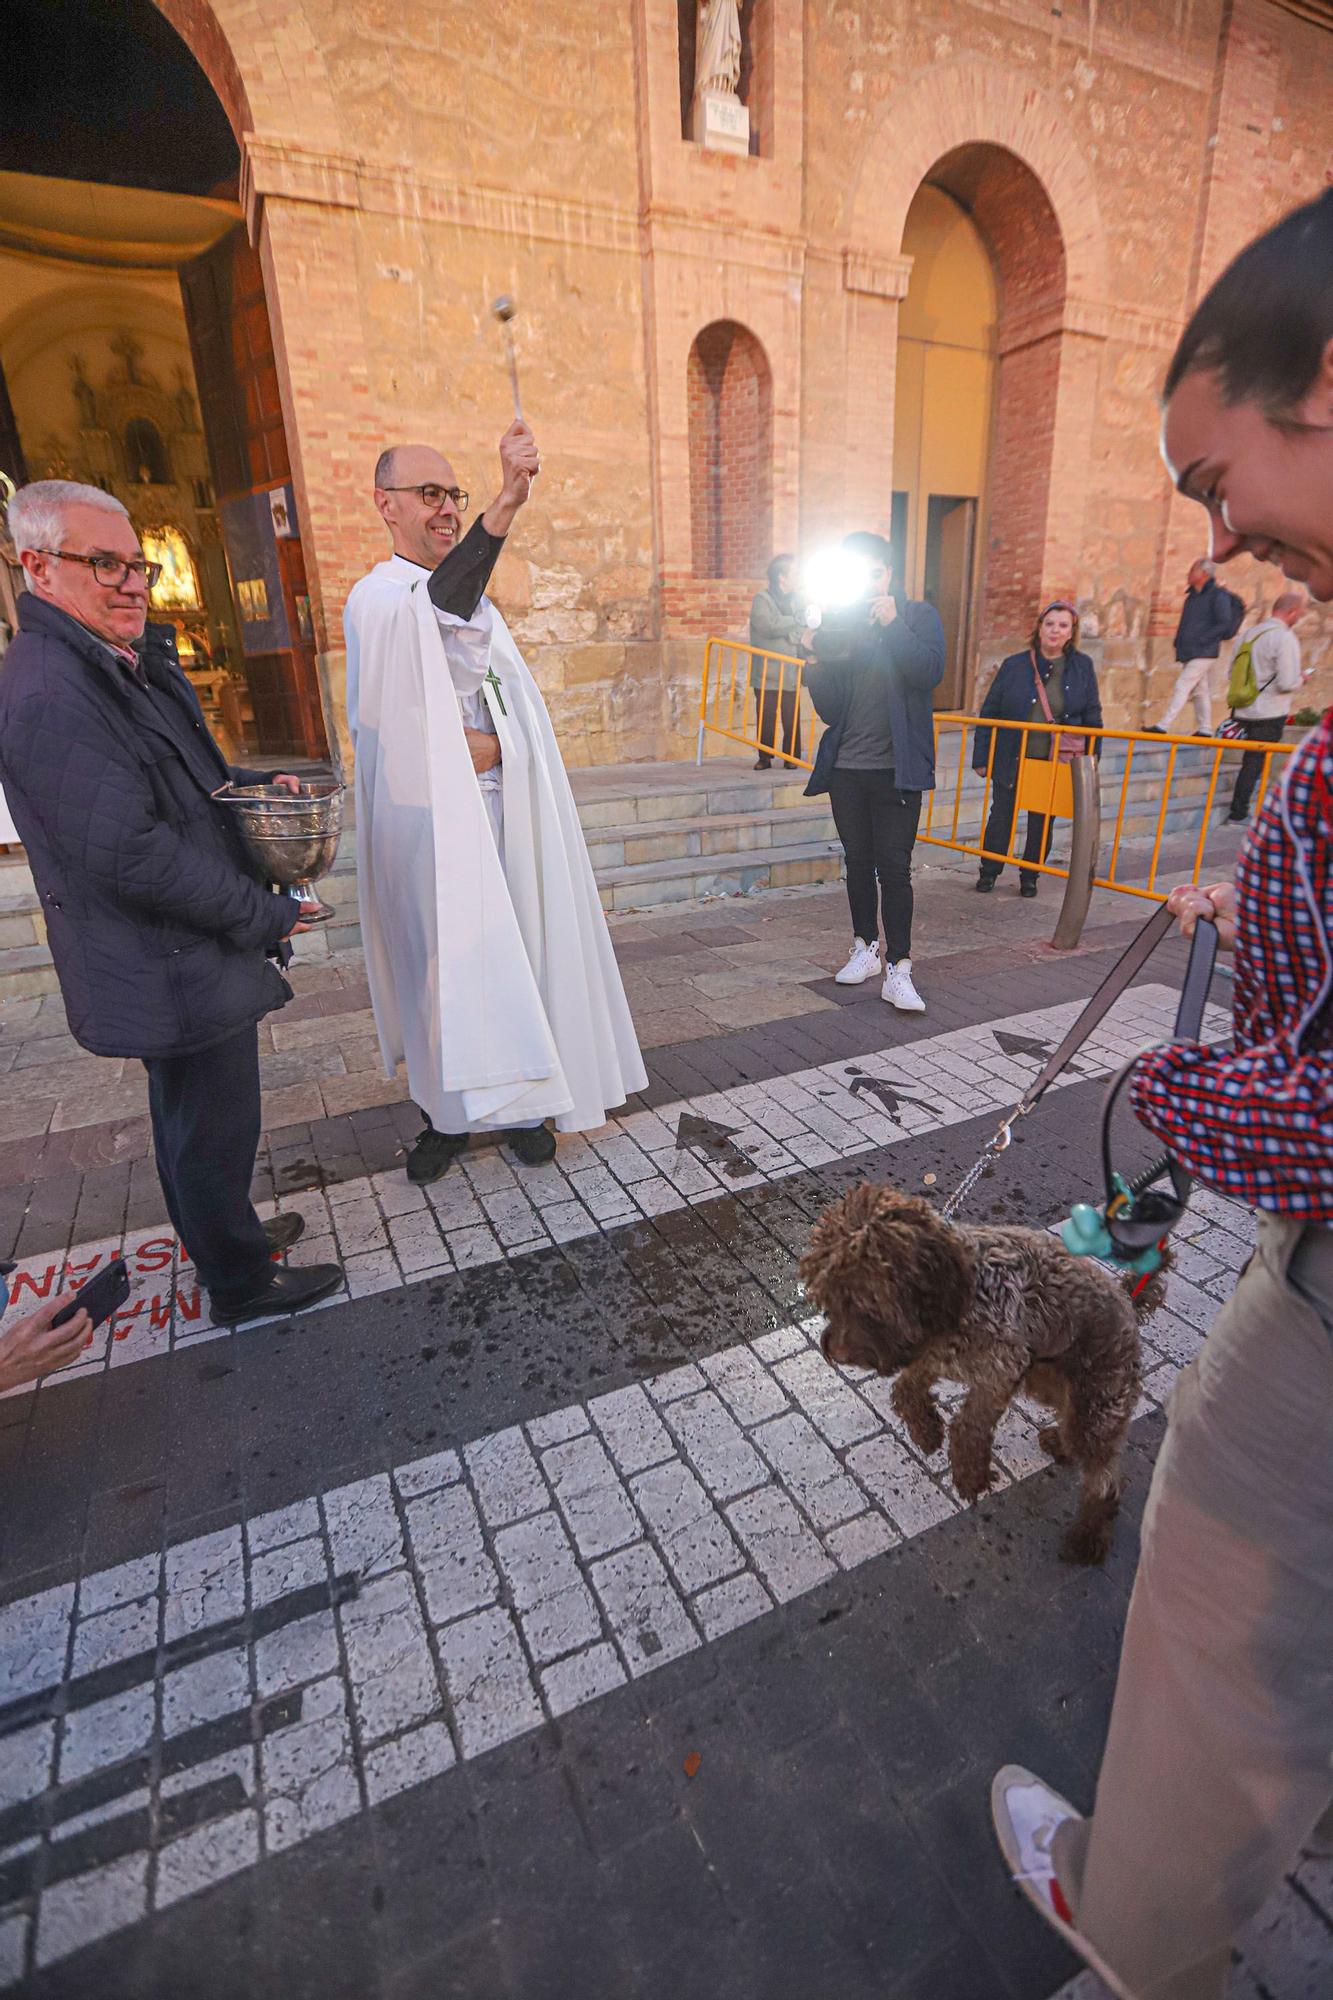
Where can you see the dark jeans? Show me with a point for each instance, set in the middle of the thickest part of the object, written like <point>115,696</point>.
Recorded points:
<point>999,831</point>
<point>766,702</point>
<point>877,827</point>
<point>1252,763</point>
<point>205,1111</point>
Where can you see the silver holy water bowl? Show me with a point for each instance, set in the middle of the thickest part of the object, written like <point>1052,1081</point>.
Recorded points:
<point>293,837</point>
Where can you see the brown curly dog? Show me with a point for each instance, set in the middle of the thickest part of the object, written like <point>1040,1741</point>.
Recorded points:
<point>1002,1310</point>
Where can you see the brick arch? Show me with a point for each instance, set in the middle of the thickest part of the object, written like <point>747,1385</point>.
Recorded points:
<point>729,386</point>
<point>954,107</point>
<point>265,62</point>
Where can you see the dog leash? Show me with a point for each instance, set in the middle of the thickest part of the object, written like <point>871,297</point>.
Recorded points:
<point>1189,1021</point>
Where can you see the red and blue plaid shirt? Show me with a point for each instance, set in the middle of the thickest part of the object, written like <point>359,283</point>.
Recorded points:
<point>1256,1120</point>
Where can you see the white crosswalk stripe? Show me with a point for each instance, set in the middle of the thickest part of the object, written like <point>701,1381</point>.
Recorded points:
<point>388,1233</point>
<point>178,1718</point>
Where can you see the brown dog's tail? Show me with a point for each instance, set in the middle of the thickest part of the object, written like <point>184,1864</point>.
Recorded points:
<point>1146,1294</point>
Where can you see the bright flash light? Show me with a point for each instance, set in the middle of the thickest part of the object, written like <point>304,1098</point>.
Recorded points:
<point>835,577</point>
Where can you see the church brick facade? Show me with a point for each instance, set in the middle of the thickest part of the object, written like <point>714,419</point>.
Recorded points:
<point>403,164</point>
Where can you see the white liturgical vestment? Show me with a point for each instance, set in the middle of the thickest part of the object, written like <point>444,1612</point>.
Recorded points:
<point>494,980</point>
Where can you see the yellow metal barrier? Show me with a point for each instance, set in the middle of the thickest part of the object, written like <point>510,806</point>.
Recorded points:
<point>736,672</point>
<point>1038,778</point>
<point>737,677</point>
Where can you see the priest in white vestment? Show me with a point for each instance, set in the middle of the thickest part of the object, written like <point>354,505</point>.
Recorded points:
<point>490,965</point>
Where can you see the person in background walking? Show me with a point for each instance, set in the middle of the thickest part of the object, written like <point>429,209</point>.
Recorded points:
<point>1218,1766</point>
<point>1275,653</point>
<point>1209,615</point>
<point>1053,682</point>
<point>876,664</point>
<point>777,625</point>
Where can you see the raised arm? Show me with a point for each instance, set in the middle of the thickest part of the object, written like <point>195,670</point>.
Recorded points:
<point>459,583</point>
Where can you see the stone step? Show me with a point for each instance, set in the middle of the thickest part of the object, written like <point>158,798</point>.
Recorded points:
<point>648,885</point>
<point>640,842</point>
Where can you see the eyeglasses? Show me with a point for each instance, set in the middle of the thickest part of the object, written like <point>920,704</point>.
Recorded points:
<point>433,496</point>
<point>111,571</point>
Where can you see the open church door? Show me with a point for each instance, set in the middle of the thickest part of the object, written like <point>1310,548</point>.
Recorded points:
<point>237,380</point>
<point>951,542</point>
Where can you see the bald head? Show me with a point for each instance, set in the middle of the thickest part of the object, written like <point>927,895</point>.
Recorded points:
<point>424,525</point>
<point>1290,605</point>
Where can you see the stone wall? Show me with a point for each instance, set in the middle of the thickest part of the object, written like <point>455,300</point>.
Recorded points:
<point>404,164</point>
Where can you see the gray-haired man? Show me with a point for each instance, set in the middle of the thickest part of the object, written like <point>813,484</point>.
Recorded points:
<point>1209,615</point>
<point>162,935</point>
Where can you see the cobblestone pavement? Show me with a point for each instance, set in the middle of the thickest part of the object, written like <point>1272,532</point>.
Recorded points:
<point>544,1616</point>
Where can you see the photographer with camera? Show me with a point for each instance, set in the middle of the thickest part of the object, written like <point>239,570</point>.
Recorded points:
<point>876,664</point>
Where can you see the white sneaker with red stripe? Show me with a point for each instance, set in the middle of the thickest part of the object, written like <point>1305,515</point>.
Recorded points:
<point>1027,1815</point>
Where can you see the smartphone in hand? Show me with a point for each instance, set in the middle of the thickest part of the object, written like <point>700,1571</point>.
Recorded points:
<point>101,1296</point>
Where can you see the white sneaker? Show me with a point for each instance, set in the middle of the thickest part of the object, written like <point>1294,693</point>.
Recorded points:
<point>1027,1815</point>
<point>862,964</point>
<point>899,991</point>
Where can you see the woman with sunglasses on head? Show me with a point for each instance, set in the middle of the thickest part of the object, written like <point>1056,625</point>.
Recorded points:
<point>1049,681</point>
<point>1218,1766</point>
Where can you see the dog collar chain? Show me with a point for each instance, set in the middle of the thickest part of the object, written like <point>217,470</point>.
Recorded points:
<point>997,1143</point>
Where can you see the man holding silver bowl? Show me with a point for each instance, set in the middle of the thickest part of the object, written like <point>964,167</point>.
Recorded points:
<point>162,927</point>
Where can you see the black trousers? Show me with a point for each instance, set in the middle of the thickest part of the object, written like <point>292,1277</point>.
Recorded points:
<point>205,1112</point>
<point>877,825</point>
<point>999,830</point>
<point>766,702</point>
<point>1252,763</point>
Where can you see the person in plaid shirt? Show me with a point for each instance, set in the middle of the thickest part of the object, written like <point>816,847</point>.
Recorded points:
<point>1218,1764</point>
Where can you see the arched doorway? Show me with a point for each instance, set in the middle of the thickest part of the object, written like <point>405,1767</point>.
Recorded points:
<point>943,397</point>
<point>975,419</point>
<point>730,391</point>
<point>136,351</point>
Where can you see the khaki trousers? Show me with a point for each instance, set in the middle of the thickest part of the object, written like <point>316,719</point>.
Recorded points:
<point>1193,683</point>
<point>1219,1759</point>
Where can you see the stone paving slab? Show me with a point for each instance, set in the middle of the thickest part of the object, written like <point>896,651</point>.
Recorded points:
<point>389,1233</point>
<point>363,1654</point>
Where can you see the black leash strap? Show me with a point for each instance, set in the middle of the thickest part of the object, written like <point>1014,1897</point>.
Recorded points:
<point>1125,970</point>
<point>1189,1021</point>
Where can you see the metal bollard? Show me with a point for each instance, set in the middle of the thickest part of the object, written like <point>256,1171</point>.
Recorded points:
<point>1085,841</point>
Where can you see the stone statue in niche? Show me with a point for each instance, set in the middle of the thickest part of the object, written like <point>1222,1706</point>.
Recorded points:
<point>719,63</point>
<point>718,119</point>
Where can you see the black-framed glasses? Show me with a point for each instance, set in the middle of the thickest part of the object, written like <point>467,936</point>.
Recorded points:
<point>112,572</point>
<point>433,496</point>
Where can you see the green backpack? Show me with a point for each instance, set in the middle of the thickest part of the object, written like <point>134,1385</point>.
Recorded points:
<point>1243,684</point>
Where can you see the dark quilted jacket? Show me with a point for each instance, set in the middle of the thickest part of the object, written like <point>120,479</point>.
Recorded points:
<point>158,925</point>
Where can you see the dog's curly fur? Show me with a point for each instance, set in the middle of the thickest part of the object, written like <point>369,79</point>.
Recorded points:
<point>999,1309</point>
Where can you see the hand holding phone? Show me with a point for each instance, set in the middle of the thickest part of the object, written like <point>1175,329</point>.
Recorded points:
<point>101,1296</point>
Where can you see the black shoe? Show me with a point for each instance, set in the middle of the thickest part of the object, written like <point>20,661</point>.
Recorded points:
<point>1027,888</point>
<point>284,1230</point>
<point>764,764</point>
<point>984,884</point>
<point>433,1155</point>
<point>1236,819</point>
<point>534,1145</point>
<point>1154,729</point>
<point>286,1289</point>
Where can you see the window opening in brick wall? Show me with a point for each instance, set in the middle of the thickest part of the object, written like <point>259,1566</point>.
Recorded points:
<point>730,396</point>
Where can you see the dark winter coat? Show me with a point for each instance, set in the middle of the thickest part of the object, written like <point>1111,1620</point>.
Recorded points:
<point>1009,698</point>
<point>1207,617</point>
<point>158,922</point>
<point>912,648</point>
